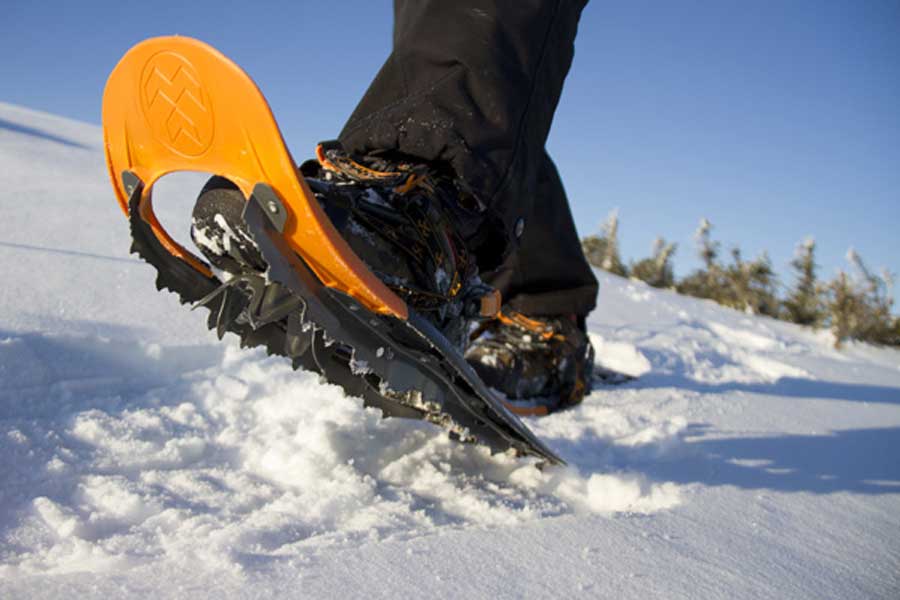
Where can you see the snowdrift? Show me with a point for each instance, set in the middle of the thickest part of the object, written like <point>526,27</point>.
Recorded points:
<point>142,456</point>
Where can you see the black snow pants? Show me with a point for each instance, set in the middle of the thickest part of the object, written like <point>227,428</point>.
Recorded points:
<point>475,83</point>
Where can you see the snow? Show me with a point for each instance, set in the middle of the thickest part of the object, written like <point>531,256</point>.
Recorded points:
<point>142,457</point>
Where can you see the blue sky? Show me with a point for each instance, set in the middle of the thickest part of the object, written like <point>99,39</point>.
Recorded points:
<point>773,119</point>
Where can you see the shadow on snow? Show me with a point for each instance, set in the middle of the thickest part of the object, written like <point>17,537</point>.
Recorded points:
<point>790,387</point>
<point>66,252</point>
<point>849,460</point>
<point>34,132</point>
<point>56,375</point>
<point>861,461</point>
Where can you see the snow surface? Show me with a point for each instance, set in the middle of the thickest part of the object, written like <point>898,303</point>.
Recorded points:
<point>143,457</point>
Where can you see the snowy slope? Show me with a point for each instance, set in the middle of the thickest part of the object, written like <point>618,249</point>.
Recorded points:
<point>143,457</point>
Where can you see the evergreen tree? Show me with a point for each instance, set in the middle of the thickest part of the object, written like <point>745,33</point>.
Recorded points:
<point>804,304</point>
<point>594,248</point>
<point>709,250</point>
<point>876,321</point>
<point>611,260</point>
<point>657,270</point>
<point>748,285</point>
<point>761,281</point>
<point>843,307</point>
<point>861,308</point>
<point>603,250</point>
<point>736,292</point>
<point>707,282</point>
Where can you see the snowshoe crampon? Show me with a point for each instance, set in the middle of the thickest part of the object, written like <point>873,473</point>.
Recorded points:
<point>176,104</point>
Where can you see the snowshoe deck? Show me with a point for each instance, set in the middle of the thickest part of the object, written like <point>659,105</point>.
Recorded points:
<point>175,104</point>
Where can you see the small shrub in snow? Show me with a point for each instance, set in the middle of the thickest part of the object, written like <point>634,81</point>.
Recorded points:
<point>858,307</point>
<point>709,282</point>
<point>751,285</point>
<point>657,269</point>
<point>602,250</point>
<point>804,304</point>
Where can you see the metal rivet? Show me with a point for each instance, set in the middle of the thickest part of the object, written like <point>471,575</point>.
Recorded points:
<point>273,207</point>
<point>520,227</point>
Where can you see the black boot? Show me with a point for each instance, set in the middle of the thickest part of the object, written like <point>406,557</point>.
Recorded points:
<point>539,364</point>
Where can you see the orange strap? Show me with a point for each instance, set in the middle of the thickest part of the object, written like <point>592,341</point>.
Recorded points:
<point>519,320</point>
<point>351,166</point>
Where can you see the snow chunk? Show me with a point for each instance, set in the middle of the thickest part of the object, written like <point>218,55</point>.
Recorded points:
<point>619,356</point>
<point>207,241</point>
<point>601,493</point>
<point>17,437</point>
<point>60,519</point>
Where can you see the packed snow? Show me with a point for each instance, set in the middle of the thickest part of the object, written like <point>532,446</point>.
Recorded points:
<point>144,457</point>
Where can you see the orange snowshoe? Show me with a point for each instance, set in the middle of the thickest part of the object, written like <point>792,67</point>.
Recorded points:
<point>177,104</point>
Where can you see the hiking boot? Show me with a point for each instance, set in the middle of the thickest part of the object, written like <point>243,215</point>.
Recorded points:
<point>539,364</point>
<point>406,221</point>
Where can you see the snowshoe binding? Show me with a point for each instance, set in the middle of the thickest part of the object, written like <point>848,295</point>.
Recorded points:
<point>351,268</point>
